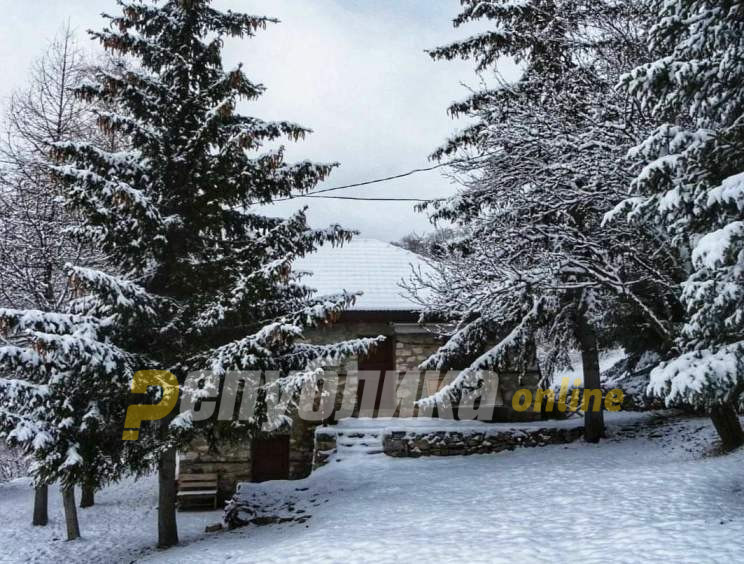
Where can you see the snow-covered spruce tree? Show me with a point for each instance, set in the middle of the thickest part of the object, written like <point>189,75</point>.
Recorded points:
<point>64,398</point>
<point>534,262</point>
<point>202,280</point>
<point>33,245</point>
<point>691,180</point>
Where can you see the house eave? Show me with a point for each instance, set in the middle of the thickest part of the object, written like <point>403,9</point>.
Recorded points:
<point>380,315</point>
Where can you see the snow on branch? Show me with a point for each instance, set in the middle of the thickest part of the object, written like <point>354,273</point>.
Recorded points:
<point>304,354</point>
<point>718,248</point>
<point>701,377</point>
<point>494,358</point>
<point>254,351</point>
<point>119,292</point>
<point>18,321</point>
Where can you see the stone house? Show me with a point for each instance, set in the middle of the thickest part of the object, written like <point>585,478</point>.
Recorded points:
<point>375,268</point>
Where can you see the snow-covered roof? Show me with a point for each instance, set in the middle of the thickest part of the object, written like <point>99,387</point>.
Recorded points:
<point>364,265</point>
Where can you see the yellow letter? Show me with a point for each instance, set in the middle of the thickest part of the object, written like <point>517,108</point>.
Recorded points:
<point>562,395</point>
<point>136,414</point>
<point>592,394</point>
<point>519,406</point>
<point>549,395</point>
<point>614,400</point>
<point>574,404</point>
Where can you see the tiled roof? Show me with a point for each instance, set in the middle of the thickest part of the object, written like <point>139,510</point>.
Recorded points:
<point>367,265</point>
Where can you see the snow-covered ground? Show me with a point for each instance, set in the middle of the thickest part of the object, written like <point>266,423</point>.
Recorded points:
<point>120,528</point>
<point>649,493</point>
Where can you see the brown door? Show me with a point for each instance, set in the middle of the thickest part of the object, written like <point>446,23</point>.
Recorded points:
<point>382,361</point>
<point>271,458</point>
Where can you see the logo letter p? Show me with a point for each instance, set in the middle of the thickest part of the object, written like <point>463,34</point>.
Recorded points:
<point>136,414</point>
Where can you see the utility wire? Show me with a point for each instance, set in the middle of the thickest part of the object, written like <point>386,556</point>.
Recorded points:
<point>314,194</point>
<point>372,199</point>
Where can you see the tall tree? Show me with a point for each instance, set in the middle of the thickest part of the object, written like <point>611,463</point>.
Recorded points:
<point>691,181</point>
<point>33,244</point>
<point>197,278</point>
<point>535,262</point>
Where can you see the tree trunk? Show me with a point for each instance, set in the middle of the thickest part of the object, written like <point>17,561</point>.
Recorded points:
<point>726,422</point>
<point>167,525</point>
<point>41,503</point>
<point>71,519</point>
<point>593,420</point>
<point>88,496</point>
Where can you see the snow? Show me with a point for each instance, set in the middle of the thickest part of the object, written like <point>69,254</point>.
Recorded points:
<point>731,191</point>
<point>73,458</point>
<point>121,527</point>
<point>685,378</point>
<point>651,492</point>
<point>712,248</point>
<point>364,265</point>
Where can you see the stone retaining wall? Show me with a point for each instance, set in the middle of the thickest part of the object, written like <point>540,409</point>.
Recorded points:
<point>414,444</point>
<point>448,443</point>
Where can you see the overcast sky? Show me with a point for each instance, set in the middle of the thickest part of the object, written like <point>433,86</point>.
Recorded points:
<point>354,71</point>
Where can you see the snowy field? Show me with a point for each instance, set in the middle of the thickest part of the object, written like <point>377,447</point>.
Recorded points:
<point>651,493</point>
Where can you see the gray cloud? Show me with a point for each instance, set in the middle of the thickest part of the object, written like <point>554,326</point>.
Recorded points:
<point>354,71</point>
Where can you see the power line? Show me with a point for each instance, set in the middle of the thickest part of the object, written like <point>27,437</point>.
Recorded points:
<point>314,194</point>
<point>372,199</point>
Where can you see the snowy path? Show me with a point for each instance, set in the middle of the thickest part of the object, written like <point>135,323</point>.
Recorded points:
<point>646,496</point>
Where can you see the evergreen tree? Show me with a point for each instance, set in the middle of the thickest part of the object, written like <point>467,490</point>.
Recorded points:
<point>691,180</point>
<point>535,262</point>
<point>34,246</point>
<point>197,278</point>
<point>64,399</point>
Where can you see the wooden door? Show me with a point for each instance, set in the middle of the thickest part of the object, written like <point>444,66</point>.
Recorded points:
<point>382,361</point>
<point>271,458</point>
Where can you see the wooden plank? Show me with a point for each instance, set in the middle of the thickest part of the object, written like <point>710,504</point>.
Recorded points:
<point>198,493</point>
<point>195,480</point>
<point>199,477</point>
<point>197,485</point>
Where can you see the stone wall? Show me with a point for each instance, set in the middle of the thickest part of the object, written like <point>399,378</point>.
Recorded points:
<point>413,349</point>
<point>301,448</point>
<point>449,443</point>
<point>232,463</point>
